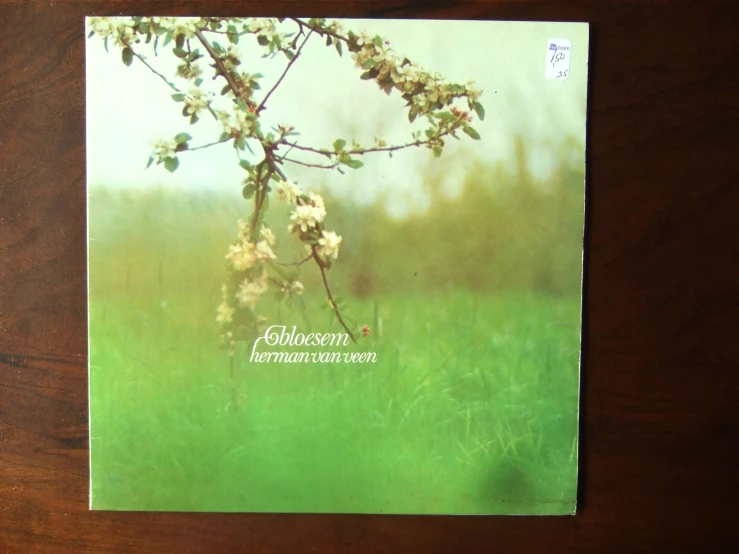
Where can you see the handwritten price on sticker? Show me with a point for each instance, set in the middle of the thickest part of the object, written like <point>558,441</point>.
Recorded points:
<point>558,59</point>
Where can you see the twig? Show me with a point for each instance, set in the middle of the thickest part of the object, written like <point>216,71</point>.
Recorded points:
<point>201,147</point>
<point>319,30</point>
<point>301,262</point>
<point>305,164</point>
<point>287,68</point>
<point>362,151</point>
<point>314,254</point>
<point>154,71</point>
<point>163,78</point>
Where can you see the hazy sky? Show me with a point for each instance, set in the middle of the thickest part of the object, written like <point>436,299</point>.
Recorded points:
<point>323,97</point>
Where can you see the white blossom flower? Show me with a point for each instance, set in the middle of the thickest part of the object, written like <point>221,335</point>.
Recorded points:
<point>261,26</point>
<point>263,252</point>
<point>243,233</point>
<point>251,290</point>
<point>237,123</point>
<point>189,71</point>
<point>318,203</point>
<point>103,26</point>
<point>241,258</point>
<point>297,287</point>
<point>329,244</point>
<point>225,313</point>
<point>306,216</point>
<point>288,192</point>
<point>124,34</point>
<point>186,26</point>
<point>267,235</point>
<point>420,100</point>
<point>473,93</point>
<point>196,100</point>
<point>165,148</point>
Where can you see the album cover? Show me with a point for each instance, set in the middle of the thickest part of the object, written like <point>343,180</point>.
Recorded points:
<point>335,266</point>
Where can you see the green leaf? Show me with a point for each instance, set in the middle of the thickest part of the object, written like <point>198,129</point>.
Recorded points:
<point>193,119</point>
<point>369,64</point>
<point>127,56</point>
<point>354,164</point>
<point>377,40</point>
<point>171,164</point>
<point>471,132</point>
<point>105,43</point>
<point>479,110</point>
<point>412,115</point>
<point>337,44</point>
<point>151,160</point>
<point>437,150</point>
<point>262,40</point>
<point>366,75</point>
<point>245,164</point>
<point>180,41</point>
<point>328,40</point>
<point>249,190</point>
<point>289,54</point>
<point>167,39</point>
<point>179,52</point>
<point>90,34</point>
<point>179,97</point>
<point>339,145</point>
<point>182,137</point>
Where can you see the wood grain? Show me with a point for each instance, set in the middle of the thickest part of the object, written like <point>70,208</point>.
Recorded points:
<point>659,414</point>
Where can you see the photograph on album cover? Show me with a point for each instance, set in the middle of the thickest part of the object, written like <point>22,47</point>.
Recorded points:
<point>335,266</point>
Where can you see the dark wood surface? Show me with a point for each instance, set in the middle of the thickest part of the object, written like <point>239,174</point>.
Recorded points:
<point>659,404</point>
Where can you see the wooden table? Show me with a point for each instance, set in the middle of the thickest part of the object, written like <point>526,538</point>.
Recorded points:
<point>659,415</point>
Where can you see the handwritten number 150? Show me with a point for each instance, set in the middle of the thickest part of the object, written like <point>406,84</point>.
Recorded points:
<point>557,57</point>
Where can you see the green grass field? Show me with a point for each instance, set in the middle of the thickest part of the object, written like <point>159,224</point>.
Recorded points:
<point>471,407</point>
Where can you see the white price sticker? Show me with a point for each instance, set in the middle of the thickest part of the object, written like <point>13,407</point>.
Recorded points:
<point>559,51</point>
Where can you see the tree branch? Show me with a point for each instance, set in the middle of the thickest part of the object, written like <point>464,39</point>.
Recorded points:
<point>314,254</point>
<point>163,78</point>
<point>201,147</point>
<point>321,31</point>
<point>287,68</point>
<point>219,64</point>
<point>305,164</point>
<point>154,71</point>
<point>301,262</point>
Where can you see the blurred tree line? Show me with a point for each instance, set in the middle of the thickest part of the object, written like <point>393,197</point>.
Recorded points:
<point>504,230</point>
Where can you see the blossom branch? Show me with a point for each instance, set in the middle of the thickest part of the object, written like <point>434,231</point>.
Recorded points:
<point>219,64</point>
